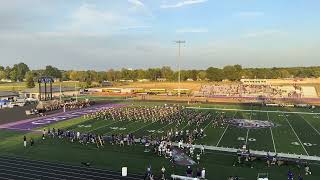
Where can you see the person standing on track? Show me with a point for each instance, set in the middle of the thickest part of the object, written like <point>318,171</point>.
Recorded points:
<point>202,149</point>
<point>43,134</point>
<point>163,173</point>
<point>25,141</point>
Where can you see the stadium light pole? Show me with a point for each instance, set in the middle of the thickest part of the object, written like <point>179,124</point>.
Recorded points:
<point>179,42</point>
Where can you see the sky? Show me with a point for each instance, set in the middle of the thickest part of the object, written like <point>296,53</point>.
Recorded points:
<point>104,34</point>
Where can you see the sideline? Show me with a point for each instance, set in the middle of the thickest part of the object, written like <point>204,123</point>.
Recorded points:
<point>246,110</point>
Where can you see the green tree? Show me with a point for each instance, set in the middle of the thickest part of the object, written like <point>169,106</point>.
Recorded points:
<point>284,73</point>
<point>167,72</point>
<point>7,70</point>
<point>2,74</point>
<point>202,75</point>
<point>19,71</point>
<point>52,72</point>
<point>232,73</point>
<point>111,75</point>
<point>141,74</point>
<point>13,75</point>
<point>88,77</point>
<point>214,74</point>
<point>65,75</point>
<point>30,79</point>
<point>153,73</point>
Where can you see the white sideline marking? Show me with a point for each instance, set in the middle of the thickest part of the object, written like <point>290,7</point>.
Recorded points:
<point>245,110</point>
<point>310,124</point>
<point>261,153</point>
<point>274,144</point>
<point>296,134</point>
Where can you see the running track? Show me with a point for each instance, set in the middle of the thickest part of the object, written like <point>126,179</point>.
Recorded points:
<point>12,168</point>
<point>29,124</point>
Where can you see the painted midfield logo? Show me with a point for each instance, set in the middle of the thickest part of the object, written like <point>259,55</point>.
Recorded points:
<point>252,124</point>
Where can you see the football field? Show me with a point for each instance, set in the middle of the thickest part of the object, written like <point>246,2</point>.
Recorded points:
<point>293,132</point>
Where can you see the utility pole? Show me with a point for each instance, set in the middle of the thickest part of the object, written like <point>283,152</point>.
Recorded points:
<point>60,93</point>
<point>75,89</point>
<point>179,42</point>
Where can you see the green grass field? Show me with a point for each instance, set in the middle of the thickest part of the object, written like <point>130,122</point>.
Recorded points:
<point>295,133</point>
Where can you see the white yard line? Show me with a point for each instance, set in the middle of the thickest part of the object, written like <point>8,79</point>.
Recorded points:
<point>142,127</point>
<point>184,127</point>
<point>222,135</point>
<point>296,134</point>
<point>211,121</point>
<point>245,110</point>
<point>310,124</point>
<point>248,130</point>
<point>225,130</point>
<point>161,128</point>
<point>107,133</point>
<point>247,136</point>
<point>101,127</point>
<point>274,144</point>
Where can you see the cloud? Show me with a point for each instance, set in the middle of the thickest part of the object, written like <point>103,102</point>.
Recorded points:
<point>262,33</point>
<point>135,27</point>
<point>249,14</point>
<point>136,3</point>
<point>192,30</point>
<point>182,3</point>
<point>90,19</point>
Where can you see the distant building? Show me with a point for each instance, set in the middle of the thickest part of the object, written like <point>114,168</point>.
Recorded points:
<point>106,84</point>
<point>143,80</point>
<point>161,79</point>
<point>65,91</point>
<point>125,80</point>
<point>190,80</point>
<point>254,81</point>
<point>123,90</point>
<point>6,80</point>
<point>9,95</point>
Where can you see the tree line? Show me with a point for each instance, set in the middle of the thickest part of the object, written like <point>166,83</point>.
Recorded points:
<point>21,72</point>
